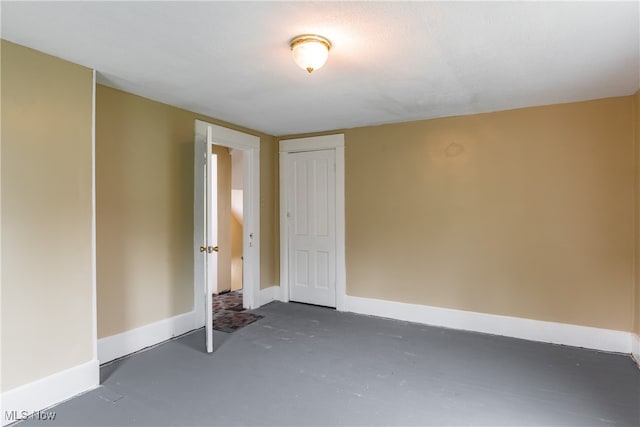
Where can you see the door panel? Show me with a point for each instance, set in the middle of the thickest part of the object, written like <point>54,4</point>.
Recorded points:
<point>205,232</point>
<point>302,268</point>
<point>311,214</point>
<point>322,262</point>
<point>211,231</point>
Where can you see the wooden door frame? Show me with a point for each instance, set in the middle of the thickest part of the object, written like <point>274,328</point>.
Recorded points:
<point>315,143</point>
<point>250,145</point>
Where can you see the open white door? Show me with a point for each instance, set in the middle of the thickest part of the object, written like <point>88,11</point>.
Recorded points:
<point>205,219</point>
<point>210,248</point>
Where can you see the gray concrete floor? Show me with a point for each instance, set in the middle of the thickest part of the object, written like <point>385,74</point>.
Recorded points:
<point>306,365</point>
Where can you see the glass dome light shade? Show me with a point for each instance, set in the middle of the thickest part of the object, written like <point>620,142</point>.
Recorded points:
<point>310,52</point>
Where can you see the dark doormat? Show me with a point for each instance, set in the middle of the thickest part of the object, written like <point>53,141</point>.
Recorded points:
<point>228,313</point>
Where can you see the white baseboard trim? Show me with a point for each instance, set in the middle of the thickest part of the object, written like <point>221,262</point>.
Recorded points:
<point>115,346</point>
<point>27,399</point>
<point>534,330</point>
<point>635,348</point>
<point>268,294</point>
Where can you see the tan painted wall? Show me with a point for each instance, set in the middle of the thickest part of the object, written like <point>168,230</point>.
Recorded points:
<point>269,214</point>
<point>236,254</point>
<point>47,318</point>
<point>525,213</point>
<point>224,218</point>
<point>144,179</point>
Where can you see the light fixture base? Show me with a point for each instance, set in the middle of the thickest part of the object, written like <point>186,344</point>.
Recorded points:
<point>306,38</point>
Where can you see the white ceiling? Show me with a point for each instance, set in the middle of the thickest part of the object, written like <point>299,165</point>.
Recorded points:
<point>390,61</point>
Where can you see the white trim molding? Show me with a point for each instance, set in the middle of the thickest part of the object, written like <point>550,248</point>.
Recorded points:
<point>30,398</point>
<point>326,142</point>
<point>528,329</point>
<point>116,346</point>
<point>313,143</point>
<point>284,231</point>
<point>635,348</point>
<point>269,294</point>
<point>94,282</point>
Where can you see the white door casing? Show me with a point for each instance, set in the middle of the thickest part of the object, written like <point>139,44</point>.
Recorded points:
<point>312,241</point>
<point>250,145</point>
<point>311,221</point>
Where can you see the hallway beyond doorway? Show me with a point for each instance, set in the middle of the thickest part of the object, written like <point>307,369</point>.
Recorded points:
<point>229,314</point>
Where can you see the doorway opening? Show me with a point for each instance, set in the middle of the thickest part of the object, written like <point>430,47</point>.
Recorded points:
<point>216,224</point>
<point>229,206</point>
<point>237,191</point>
<point>229,312</point>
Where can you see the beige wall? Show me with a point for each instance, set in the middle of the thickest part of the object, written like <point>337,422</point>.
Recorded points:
<point>47,319</point>
<point>525,213</point>
<point>236,254</point>
<point>144,189</point>
<point>269,214</point>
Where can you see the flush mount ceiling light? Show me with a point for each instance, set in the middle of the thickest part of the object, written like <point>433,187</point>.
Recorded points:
<point>310,51</point>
